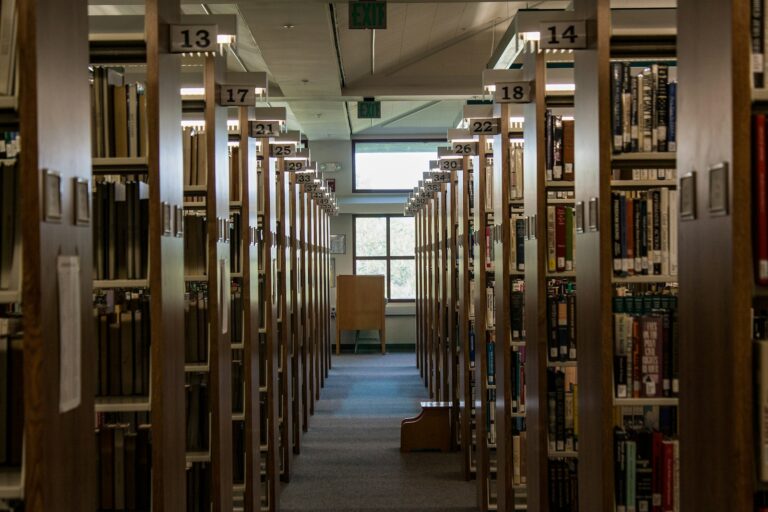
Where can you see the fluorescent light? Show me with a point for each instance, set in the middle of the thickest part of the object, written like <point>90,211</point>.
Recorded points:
<point>517,119</point>
<point>233,124</point>
<point>560,87</point>
<point>194,123</point>
<point>192,91</point>
<point>225,39</point>
<point>531,36</point>
<point>568,118</point>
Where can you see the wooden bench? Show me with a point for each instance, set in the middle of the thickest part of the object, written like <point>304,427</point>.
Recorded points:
<point>430,430</point>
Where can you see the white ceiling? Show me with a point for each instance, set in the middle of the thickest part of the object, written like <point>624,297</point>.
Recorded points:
<point>424,66</point>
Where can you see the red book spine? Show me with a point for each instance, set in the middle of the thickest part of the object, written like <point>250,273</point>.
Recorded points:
<point>637,347</point>
<point>657,465</point>
<point>560,238</point>
<point>667,483</point>
<point>761,200</point>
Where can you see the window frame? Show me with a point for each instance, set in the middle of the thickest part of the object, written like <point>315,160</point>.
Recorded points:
<point>356,190</point>
<point>387,258</point>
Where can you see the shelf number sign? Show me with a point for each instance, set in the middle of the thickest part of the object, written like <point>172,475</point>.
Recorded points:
<point>464,148</point>
<point>563,35</point>
<point>488,126</point>
<point>237,96</point>
<point>281,150</point>
<point>295,165</point>
<point>264,128</point>
<point>304,177</point>
<point>450,164</point>
<point>512,92</point>
<point>193,38</point>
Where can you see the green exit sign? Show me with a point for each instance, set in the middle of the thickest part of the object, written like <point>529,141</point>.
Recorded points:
<point>367,14</point>
<point>368,109</point>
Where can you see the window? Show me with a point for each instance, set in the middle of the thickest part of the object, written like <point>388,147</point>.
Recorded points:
<point>391,166</point>
<point>384,245</point>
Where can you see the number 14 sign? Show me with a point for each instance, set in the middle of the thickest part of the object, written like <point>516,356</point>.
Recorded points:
<point>563,35</point>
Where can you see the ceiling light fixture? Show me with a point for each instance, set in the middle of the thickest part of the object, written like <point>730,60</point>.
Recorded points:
<point>288,26</point>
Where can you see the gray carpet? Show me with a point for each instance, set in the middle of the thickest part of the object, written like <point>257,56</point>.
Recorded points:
<point>351,458</point>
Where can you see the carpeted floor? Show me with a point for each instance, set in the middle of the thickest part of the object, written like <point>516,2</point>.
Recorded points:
<point>351,458</point>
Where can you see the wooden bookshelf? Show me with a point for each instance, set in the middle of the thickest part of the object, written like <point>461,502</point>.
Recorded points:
<point>284,328</point>
<point>297,382</point>
<point>599,409</point>
<point>58,452</point>
<point>269,353</point>
<point>502,246</point>
<point>466,352</point>
<point>716,352</point>
<point>249,185</point>
<point>486,452</point>
<point>452,307</point>
<point>219,286</point>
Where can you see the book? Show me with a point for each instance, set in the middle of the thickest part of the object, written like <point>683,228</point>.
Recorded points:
<point>10,224</point>
<point>757,39</point>
<point>760,173</point>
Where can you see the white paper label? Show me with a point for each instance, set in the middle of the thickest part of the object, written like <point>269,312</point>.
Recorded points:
<point>70,333</point>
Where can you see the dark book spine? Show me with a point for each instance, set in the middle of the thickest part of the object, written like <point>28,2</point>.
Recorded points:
<point>757,33</point>
<point>634,145</point>
<point>662,107</point>
<point>616,232</point>
<point>571,298</point>
<point>560,411</point>
<point>617,90</point>
<point>672,121</point>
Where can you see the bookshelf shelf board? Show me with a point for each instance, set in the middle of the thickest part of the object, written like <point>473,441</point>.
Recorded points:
<point>655,156</point>
<point>11,483</point>
<point>8,161</point>
<point>568,454</point>
<point>517,415</point>
<point>238,416</point>
<point>643,183</point>
<point>262,330</point>
<point>517,274</point>
<point>10,296</point>
<point>121,283</point>
<point>236,275</point>
<point>262,389</point>
<point>196,278</point>
<point>198,457</point>
<point>9,102</point>
<point>562,364</point>
<point>263,448</point>
<point>122,404</point>
<point>196,368</point>
<point>562,275</point>
<point>560,184</point>
<point>632,402</point>
<point>238,488</point>
<point>561,201</point>
<point>517,343</point>
<point>520,487</point>
<point>645,279</point>
<point>195,190</point>
<point>238,346</point>
<point>236,204</point>
<point>194,205</point>
<point>129,164</point>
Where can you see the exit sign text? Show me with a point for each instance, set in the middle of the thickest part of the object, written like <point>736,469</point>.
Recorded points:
<point>368,109</point>
<point>368,14</point>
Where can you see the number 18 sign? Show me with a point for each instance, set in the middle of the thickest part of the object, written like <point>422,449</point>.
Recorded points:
<point>513,92</point>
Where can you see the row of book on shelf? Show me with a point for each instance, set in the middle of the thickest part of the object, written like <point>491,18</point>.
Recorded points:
<point>561,236</point>
<point>118,115</point>
<point>644,232</point>
<point>11,391</point>
<point>646,351</point>
<point>559,145</point>
<point>123,335</point>
<point>646,460</point>
<point>561,314</point>
<point>10,223</point>
<point>643,107</point>
<point>124,464</point>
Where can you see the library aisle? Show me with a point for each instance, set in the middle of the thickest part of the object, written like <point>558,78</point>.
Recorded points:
<point>351,456</point>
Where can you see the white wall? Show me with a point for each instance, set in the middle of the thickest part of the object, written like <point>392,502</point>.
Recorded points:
<point>401,319</point>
